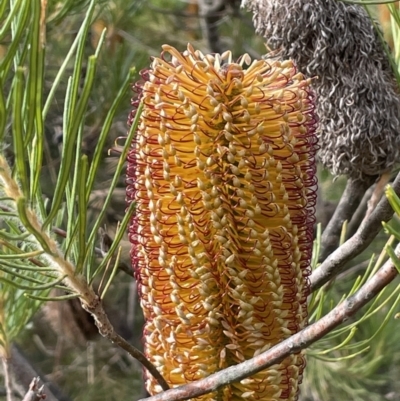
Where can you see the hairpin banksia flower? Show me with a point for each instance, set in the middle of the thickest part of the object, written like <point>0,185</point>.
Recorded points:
<point>357,99</point>
<point>223,175</point>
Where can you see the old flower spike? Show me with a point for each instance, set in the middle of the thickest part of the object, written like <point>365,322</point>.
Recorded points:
<point>358,102</point>
<point>223,175</point>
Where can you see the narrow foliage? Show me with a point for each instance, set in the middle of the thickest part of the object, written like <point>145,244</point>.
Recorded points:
<point>223,175</point>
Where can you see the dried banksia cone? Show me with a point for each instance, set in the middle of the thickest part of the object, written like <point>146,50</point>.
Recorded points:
<point>223,175</point>
<point>357,98</point>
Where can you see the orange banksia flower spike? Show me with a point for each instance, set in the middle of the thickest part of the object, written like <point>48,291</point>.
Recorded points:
<point>222,172</point>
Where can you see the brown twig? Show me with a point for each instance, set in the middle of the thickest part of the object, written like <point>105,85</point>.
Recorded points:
<point>22,371</point>
<point>369,229</point>
<point>348,204</point>
<point>209,23</point>
<point>359,214</point>
<point>184,14</point>
<point>106,329</point>
<point>35,393</point>
<point>377,193</point>
<point>7,378</point>
<point>292,345</point>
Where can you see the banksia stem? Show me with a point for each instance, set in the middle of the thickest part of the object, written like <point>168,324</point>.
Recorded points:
<point>223,175</point>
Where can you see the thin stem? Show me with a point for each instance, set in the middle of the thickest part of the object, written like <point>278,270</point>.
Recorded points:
<point>292,345</point>
<point>35,393</point>
<point>369,229</point>
<point>359,214</point>
<point>7,378</point>
<point>348,204</point>
<point>107,330</point>
<point>209,23</point>
<point>22,372</point>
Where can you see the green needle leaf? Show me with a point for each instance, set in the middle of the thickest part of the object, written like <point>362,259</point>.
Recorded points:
<point>32,288</point>
<point>22,210</point>
<point>18,131</point>
<point>82,212</point>
<point>17,37</point>
<point>393,199</point>
<point>73,113</point>
<point>105,130</point>
<point>120,166</point>
<point>46,299</point>
<point>393,257</point>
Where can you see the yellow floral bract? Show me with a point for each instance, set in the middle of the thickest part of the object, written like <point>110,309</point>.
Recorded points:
<point>223,175</point>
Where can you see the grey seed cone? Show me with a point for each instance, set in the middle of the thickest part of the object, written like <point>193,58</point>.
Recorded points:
<point>357,97</point>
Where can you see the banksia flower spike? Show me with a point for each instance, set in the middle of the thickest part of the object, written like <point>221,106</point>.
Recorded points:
<point>357,97</point>
<point>223,175</point>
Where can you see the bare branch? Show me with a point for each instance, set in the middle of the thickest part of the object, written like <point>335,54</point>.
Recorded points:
<point>209,23</point>
<point>35,393</point>
<point>349,202</point>
<point>22,371</point>
<point>292,345</point>
<point>359,214</point>
<point>184,14</point>
<point>7,378</point>
<point>369,229</point>
<point>211,14</point>
<point>106,329</point>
